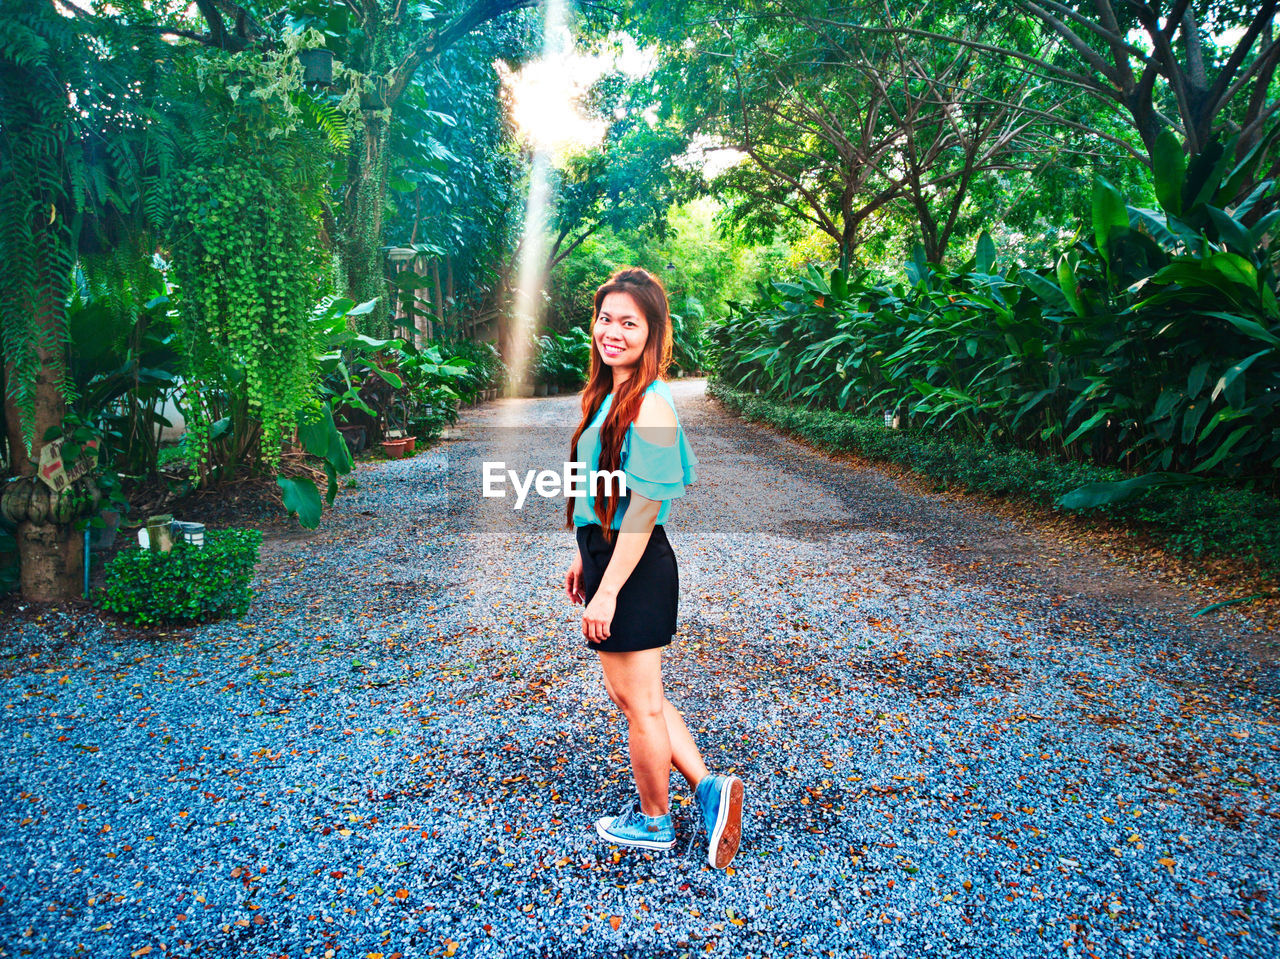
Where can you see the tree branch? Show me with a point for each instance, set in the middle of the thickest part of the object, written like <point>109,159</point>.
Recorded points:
<point>1220,86</point>
<point>1086,52</point>
<point>1079,79</point>
<point>432,46</point>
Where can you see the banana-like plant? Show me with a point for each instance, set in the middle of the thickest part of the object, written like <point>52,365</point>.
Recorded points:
<point>1152,343</point>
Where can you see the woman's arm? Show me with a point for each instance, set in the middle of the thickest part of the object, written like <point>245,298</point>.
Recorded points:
<point>573,579</point>
<point>658,420</point>
<point>633,537</point>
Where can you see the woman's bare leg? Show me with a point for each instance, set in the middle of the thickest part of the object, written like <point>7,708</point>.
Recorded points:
<point>634,681</point>
<point>684,752</point>
<point>685,755</point>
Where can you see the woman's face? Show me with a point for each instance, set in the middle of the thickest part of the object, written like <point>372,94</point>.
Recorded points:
<point>621,331</point>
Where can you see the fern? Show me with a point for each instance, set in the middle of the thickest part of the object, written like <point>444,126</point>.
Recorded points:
<point>75,173</point>
<point>326,117</point>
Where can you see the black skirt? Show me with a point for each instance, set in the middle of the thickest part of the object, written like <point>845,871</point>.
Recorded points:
<point>645,617</point>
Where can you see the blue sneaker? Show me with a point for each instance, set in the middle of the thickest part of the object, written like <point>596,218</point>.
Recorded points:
<point>720,799</point>
<point>634,828</point>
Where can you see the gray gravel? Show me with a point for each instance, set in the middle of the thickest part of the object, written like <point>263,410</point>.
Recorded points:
<point>404,744</point>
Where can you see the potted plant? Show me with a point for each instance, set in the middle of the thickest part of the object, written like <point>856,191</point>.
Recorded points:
<point>395,449</point>
<point>317,66</point>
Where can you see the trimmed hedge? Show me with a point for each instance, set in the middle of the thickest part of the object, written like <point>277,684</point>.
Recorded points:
<point>188,583</point>
<point>1233,521</point>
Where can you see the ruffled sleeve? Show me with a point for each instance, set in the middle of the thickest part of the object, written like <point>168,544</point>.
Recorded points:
<point>655,471</point>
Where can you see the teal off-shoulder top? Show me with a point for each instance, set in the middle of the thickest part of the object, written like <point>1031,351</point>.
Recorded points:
<point>655,471</point>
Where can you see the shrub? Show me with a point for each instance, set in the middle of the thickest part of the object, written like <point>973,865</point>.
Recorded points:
<point>1228,520</point>
<point>188,583</point>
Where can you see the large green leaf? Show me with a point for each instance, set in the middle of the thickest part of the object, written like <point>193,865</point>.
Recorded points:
<point>1247,326</point>
<point>1046,290</point>
<point>1108,494</point>
<point>1205,173</point>
<point>1068,286</point>
<point>1232,382</point>
<point>1235,268</point>
<point>985,254</point>
<point>1196,378</point>
<point>1228,444</point>
<point>1245,170</point>
<point>301,497</point>
<point>1110,215</point>
<point>1231,231</point>
<point>1087,425</point>
<point>315,434</point>
<point>1169,170</point>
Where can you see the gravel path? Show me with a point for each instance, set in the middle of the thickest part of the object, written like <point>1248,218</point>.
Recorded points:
<point>402,748</point>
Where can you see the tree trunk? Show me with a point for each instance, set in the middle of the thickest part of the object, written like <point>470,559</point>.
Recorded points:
<point>50,562</point>
<point>49,556</point>
<point>362,229</point>
<point>437,291</point>
<point>448,288</point>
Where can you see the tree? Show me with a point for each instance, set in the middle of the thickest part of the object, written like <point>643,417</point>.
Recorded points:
<point>1174,77</point>
<point>383,45</point>
<point>456,177</point>
<point>78,176</point>
<point>629,181</point>
<point>83,164</point>
<point>839,127</point>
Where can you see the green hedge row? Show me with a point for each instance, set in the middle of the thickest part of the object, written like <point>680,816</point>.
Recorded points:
<point>1232,521</point>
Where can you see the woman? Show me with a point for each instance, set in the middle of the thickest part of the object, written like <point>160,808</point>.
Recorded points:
<point>624,570</point>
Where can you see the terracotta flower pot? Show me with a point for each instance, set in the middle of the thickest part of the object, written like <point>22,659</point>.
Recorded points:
<point>395,449</point>
<point>413,443</point>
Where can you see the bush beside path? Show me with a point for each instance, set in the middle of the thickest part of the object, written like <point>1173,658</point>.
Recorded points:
<point>403,745</point>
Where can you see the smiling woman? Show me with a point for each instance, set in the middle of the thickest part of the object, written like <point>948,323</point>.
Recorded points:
<point>624,570</point>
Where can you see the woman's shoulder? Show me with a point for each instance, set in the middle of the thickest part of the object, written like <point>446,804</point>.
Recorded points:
<point>653,410</point>
<point>660,387</point>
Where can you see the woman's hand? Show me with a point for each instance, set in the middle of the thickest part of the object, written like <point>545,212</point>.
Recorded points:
<point>598,616</point>
<point>573,581</point>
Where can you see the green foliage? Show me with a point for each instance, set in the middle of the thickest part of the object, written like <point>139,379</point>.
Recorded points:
<point>851,128</point>
<point>80,160</point>
<point>301,497</point>
<point>700,267</point>
<point>246,253</point>
<point>563,359</point>
<point>482,370</point>
<point>125,359</point>
<point>1239,522</point>
<point>456,172</point>
<point>246,267</point>
<point>188,583</point>
<point>1152,343</point>
<point>630,181</point>
<point>433,387</point>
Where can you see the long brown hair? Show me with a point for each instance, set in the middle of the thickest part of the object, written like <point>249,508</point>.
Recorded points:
<point>645,288</point>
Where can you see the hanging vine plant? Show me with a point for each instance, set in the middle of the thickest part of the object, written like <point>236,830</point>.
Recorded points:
<point>246,252</point>
<point>248,268</point>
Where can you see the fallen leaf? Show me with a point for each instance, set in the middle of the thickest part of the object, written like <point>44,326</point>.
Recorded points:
<point>615,921</point>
